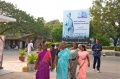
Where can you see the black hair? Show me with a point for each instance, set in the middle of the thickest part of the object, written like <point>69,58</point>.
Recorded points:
<point>84,47</point>
<point>53,45</point>
<point>46,44</point>
<point>76,44</point>
<point>40,44</point>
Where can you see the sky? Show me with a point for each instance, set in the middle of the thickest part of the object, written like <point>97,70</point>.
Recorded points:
<point>50,9</point>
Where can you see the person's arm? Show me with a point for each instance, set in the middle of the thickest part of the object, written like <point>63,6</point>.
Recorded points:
<point>77,59</point>
<point>55,61</point>
<point>56,57</point>
<point>88,57</point>
<point>51,62</point>
<point>32,45</point>
<point>93,48</point>
<point>100,48</point>
<point>70,62</point>
<point>36,64</point>
<point>37,61</point>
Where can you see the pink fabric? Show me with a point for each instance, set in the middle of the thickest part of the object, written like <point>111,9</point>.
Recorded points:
<point>82,72</point>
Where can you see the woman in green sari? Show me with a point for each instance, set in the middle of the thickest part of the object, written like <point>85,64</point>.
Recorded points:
<point>64,59</point>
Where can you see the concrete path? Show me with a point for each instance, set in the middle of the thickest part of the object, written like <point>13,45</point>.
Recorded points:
<point>110,68</point>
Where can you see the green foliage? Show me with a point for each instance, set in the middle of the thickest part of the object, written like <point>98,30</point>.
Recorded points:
<point>105,18</point>
<point>49,44</point>
<point>103,39</point>
<point>108,47</point>
<point>56,34</point>
<point>32,58</point>
<point>25,23</point>
<point>22,52</point>
<point>51,26</point>
<point>69,45</point>
<point>111,48</point>
<point>117,48</point>
<point>23,20</point>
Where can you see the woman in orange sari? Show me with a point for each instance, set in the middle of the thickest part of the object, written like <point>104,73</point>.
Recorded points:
<point>83,61</point>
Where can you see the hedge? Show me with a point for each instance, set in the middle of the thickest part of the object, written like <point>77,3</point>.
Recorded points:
<point>89,47</point>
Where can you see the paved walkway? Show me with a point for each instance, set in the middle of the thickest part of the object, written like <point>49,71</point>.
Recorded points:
<point>110,68</point>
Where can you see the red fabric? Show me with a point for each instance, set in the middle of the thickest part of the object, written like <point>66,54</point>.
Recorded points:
<point>48,56</point>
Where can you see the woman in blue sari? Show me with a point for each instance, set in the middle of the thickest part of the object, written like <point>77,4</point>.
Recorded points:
<point>64,58</point>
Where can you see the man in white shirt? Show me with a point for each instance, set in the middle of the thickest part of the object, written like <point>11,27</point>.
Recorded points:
<point>30,47</point>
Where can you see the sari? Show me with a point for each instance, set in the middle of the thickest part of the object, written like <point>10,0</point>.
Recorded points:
<point>83,64</point>
<point>43,71</point>
<point>63,64</point>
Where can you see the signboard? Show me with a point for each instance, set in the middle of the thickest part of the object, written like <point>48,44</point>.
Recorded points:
<point>76,26</point>
<point>2,39</point>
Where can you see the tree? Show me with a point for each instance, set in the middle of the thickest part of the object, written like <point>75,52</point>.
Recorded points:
<point>23,20</point>
<point>40,29</point>
<point>25,23</point>
<point>104,40</point>
<point>52,25</point>
<point>105,16</point>
<point>56,33</point>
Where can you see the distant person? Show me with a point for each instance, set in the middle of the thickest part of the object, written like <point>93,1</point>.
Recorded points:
<point>30,47</point>
<point>43,63</point>
<point>8,47</point>
<point>56,46</point>
<point>97,48</point>
<point>56,55</point>
<point>68,26</point>
<point>13,45</point>
<point>39,48</point>
<point>83,61</point>
<point>74,51</point>
<point>53,52</point>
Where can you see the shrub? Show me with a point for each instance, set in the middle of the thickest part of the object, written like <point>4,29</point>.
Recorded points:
<point>49,44</point>
<point>108,47</point>
<point>32,58</point>
<point>117,48</point>
<point>22,52</point>
<point>69,45</point>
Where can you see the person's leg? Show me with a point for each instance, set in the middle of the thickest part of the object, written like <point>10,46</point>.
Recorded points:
<point>29,51</point>
<point>98,63</point>
<point>74,69</point>
<point>82,72</point>
<point>94,62</point>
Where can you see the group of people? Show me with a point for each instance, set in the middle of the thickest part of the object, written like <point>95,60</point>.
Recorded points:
<point>66,60</point>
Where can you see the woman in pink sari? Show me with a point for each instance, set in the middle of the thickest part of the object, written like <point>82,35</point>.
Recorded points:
<point>83,61</point>
<point>43,64</point>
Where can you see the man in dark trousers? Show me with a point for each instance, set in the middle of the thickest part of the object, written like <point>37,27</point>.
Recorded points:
<point>53,52</point>
<point>97,48</point>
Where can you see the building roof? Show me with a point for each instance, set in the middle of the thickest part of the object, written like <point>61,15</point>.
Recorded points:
<point>6,19</point>
<point>16,36</point>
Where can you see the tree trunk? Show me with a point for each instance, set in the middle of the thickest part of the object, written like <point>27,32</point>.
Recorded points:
<point>115,41</point>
